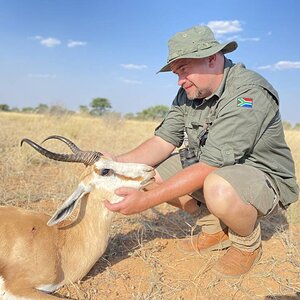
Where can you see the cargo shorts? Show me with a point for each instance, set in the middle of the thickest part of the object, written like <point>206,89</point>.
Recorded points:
<point>252,185</point>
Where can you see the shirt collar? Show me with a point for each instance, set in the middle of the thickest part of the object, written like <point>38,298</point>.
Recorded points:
<point>227,65</point>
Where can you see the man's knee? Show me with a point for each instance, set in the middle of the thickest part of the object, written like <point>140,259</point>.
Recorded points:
<point>223,200</point>
<point>218,193</point>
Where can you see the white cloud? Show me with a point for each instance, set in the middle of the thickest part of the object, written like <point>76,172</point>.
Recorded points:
<point>133,67</point>
<point>221,30</point>
<point>50,42</point>
<point>241,39</point>
<point>282,65</point>
<point>223,27</point>
<point>72,44</point>
<point>130,81</point>
<point>52,76</point>
<point>36,37</point>
<point>252,39</point>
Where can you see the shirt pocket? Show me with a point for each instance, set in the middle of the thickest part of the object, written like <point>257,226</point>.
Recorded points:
<point>193,130</point>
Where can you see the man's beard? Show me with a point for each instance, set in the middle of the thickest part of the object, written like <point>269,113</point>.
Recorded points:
<point>195,95</point>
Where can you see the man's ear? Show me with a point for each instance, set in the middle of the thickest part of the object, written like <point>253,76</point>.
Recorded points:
<point>212,60</point>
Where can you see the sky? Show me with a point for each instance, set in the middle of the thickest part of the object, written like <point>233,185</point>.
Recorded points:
<point>68,52</point>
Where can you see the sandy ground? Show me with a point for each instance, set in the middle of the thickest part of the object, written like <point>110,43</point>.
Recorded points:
<point>142,262</point>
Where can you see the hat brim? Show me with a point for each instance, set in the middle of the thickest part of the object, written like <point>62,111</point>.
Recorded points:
<point>225,48</point>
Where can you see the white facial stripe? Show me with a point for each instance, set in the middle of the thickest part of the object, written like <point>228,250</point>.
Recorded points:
<point>125,175</point>
<point>127,169</point>
<point>113,182</point>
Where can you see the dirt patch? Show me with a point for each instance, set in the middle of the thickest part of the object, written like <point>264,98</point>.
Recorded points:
<point>142,262</point>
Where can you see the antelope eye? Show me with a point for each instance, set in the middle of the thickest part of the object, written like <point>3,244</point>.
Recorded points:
<point>105,172</point>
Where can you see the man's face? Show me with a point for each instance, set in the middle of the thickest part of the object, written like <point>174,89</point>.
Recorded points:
<point>195,76</point>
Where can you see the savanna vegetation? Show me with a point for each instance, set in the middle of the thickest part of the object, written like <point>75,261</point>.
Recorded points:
<point>98,107</point>
<point>141,261</point>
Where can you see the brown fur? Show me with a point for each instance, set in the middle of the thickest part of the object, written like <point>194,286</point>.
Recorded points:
<point>34,254</point>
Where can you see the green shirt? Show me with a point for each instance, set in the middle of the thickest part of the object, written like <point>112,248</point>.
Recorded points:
<point>244,127</point>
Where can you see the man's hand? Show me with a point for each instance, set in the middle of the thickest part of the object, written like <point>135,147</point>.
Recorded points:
<point>133,202</point>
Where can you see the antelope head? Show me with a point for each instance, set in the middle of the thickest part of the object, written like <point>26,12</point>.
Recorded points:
<point>104,174</point>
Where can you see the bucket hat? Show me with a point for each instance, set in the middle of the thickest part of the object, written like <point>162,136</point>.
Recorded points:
<point>195,42</point>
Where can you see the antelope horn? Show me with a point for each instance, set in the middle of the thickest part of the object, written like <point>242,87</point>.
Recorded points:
<point>86,157</point>
<point>69,143</point>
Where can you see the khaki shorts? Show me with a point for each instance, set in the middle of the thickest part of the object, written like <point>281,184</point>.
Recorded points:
<point>252,185</point>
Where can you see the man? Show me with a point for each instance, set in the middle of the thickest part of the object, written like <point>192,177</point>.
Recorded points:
<point>228,117</point>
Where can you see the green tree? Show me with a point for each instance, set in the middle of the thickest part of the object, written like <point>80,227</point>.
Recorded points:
<point>4,107</point>
<point>42,108</point>
<point>153,113</point>
<point>100,106</point>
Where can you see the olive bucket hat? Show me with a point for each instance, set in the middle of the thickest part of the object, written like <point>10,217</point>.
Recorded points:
<point>196,42</point>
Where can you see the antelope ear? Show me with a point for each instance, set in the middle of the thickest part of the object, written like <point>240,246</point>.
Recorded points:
<point>68,206</point>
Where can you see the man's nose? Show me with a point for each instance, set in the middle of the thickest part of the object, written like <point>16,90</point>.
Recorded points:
<point>181,80</point>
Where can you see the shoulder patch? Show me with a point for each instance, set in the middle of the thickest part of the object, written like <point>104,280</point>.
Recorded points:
<point>245,102</point>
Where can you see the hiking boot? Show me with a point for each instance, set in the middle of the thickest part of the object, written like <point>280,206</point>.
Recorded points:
<point>236,262</point>
<point>205,242</point>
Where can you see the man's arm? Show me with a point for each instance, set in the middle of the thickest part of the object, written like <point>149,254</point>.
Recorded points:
<point>184,182</point>
<point>151,152</point>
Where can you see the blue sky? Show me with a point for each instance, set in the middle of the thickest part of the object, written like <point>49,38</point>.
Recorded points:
<point>68,52</point>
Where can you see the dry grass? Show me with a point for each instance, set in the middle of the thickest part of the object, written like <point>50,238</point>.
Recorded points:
<point>141,261</point>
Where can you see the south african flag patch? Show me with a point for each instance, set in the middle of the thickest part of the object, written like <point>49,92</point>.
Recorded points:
<point>245,102</point>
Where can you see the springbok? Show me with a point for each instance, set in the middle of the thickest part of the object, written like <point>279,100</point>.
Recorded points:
<point>38,255</point>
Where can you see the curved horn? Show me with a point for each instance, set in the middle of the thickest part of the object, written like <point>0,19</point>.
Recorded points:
<point>69,143</point>
<point>86,157</point>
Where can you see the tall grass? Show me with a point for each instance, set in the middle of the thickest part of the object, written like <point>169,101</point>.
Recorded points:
<point>293,140</point>
<point>27,176</point>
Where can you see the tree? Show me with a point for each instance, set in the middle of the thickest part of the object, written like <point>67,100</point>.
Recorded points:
<point>42,108</point>
<point>4,107</point>
<point>153,113</point>
<point>100,106</point>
